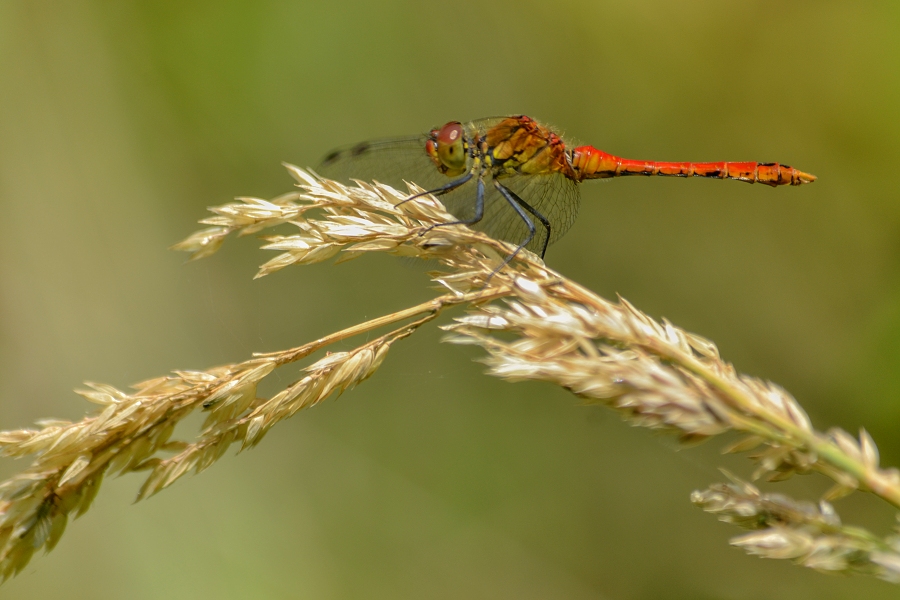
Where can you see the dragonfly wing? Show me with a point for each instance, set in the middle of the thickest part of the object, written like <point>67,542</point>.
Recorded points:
<point>388,161</point>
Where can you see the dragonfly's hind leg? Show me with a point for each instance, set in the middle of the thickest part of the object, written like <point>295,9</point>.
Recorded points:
<point>518,204</point>
<point>544,221</point>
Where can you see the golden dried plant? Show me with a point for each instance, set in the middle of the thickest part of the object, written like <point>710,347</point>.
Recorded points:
<point>532,322</point>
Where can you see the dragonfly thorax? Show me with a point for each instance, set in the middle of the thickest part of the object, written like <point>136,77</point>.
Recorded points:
<point>522,146</point>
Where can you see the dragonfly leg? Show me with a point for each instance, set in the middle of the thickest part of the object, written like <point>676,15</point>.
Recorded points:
<point>544,221</point>
<point>517,204</point>
<point>479,211</point>
<point>441,190</point>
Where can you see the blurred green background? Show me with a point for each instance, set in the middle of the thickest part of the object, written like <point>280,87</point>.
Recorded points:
<point>121,121</point>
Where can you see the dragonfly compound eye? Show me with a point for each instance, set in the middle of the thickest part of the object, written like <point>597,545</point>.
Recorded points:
<point>451,150</point>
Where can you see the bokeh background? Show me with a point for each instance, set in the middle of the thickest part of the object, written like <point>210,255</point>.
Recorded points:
<point>121,121</point>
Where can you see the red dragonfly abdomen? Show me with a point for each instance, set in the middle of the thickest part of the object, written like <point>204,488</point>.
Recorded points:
<point>590,163</point>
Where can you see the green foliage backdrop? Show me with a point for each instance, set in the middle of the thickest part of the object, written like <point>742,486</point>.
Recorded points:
<point>120,122</point>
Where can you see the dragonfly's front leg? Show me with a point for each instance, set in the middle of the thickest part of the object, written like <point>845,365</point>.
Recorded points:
<point>449,187</point>
<point>479,209</point>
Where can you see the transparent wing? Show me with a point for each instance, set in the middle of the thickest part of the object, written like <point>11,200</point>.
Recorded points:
<point>390,161</point>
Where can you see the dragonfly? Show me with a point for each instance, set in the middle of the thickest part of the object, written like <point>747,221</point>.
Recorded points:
<point>515,178</point>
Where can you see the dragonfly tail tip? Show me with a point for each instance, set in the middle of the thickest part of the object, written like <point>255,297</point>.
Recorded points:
<point>805,178</point>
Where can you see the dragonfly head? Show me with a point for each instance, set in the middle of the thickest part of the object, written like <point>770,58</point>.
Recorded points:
<point>447,148</point>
